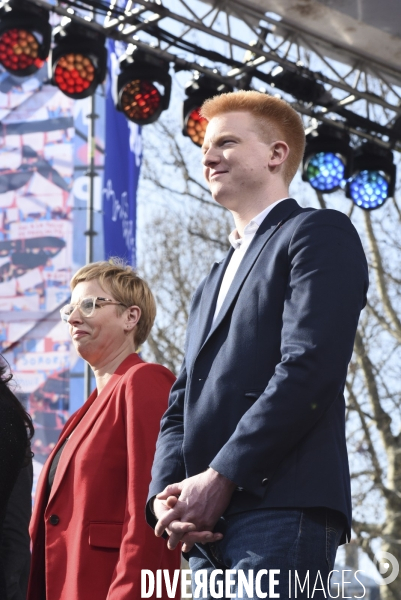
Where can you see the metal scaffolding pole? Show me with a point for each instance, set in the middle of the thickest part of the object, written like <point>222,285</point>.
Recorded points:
<point>90,232</point>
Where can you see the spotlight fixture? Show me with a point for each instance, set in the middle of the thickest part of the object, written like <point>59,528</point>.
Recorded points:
<point>373,176</point>
<point>25,35</point>
<point>327,159</point>
<point>299,84</point>
<point>78,60</point>
<point>199,89</point>
<point>138,96</point>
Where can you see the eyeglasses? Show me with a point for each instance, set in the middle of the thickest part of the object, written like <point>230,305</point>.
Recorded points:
<point>86,307</point>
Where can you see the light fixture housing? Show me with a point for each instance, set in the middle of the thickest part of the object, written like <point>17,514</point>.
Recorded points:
<point>327,160</point>
<point>25,36</point>
<point>199,89</point>
<point>78,60</point>
<point>298,83</point>
<point>138,98</point>
<point>373,176</point>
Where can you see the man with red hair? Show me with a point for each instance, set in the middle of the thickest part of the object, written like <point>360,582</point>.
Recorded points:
<point>251,469</point>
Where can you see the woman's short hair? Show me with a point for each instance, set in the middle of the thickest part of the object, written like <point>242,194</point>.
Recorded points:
<point>125,285</point>
<point>276,120</point>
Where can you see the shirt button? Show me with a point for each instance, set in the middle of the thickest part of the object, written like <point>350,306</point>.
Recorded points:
<point>265,481</point>
<point>54,520</point>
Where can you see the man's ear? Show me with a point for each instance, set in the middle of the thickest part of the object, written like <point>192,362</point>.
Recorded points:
<point>133,314</point>
<point>279,153</point>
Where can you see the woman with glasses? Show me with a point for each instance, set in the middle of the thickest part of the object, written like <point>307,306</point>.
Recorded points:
<point>90,540</point>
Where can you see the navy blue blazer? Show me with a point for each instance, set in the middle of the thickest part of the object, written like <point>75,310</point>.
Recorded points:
<point>260,394</point>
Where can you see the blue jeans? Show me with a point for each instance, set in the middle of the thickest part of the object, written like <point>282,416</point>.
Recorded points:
<point>300,544</point>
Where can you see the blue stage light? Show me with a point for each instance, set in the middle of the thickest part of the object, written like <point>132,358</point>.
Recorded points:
<point>325,171</point>
<point>327,160</point>
<point>369,189</point>
<point>373,176</point>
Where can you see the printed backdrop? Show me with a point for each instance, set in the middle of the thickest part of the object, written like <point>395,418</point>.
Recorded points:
<point>36,176</point>
<point>43,201</point>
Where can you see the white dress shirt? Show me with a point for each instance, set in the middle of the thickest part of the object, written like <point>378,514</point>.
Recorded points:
<point>240,245</point>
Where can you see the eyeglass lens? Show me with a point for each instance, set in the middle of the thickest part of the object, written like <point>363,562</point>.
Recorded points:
<point>86,307</point>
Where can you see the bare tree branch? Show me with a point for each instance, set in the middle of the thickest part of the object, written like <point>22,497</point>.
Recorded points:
<point>374,531</point>
<point>378,472</point>
<point>383,420</point>
<point>207,238</point>
<point>397,208</point>
<point>381,283</point>
<point>321,199</point>
<point>383,322</point>
<point>351,210</point>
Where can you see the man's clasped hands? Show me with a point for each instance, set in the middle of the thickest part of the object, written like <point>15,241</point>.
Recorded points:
<point>189,510</point>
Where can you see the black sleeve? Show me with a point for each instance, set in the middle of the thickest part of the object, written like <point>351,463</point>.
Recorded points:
<point>13,445</point>
<point>15,542</point>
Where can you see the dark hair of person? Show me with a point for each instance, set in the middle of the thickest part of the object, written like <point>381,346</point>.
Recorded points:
<point>26,417</point>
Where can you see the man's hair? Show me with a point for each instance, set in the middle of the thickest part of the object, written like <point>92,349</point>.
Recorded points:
<point>126,287</point>
<point>275,118</point>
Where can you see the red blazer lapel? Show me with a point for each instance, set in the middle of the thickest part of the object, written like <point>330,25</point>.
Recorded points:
<point>78,427</point>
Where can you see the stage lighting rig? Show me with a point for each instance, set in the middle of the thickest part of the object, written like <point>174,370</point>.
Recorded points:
<point>373,176</point>
<point>327,160</point>
<point>25,35</point>
<point>138,97</point>
<point>78,60</point>
<point>297,83</point>
<point>199,89</point>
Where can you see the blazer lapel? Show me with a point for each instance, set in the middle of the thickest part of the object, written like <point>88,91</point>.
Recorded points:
<point>209,299</point>
<point>268,227</point>
<point>81,426</point>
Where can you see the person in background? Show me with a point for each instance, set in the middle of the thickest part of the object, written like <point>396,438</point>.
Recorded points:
<point>15,542</point>
<point>16,431</point>
<point>88,529</point>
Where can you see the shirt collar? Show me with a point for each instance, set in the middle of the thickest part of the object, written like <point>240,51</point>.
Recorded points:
<point>252,227</point>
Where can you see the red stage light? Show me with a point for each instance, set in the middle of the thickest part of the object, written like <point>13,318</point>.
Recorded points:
<point>78,60</point>
<point>143,87</point>
<point>140,100</point>
<point>19,50</point>
<point>199,89</point>
<point>74,73</point>
<point>25,35</point>
<point>196,126</point>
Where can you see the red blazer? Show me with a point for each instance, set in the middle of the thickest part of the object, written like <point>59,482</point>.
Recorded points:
<point>90,539</point>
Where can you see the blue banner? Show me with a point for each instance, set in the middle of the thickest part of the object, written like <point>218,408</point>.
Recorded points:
<point>121,171</point>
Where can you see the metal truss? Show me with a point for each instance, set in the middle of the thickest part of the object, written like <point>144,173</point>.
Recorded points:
<point>236,44</point>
